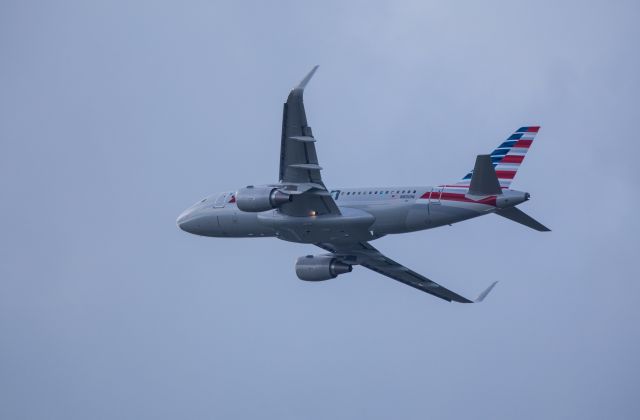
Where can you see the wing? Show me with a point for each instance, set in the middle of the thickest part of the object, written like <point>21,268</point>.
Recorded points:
<point>298,159</point>
<point>299,168</point>
<point>366,255</point>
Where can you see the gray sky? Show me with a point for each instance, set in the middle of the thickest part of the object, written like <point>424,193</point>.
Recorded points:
<point>115,116</point>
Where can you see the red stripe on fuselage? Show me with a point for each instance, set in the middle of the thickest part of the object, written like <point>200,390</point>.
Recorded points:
<point>489,201</point>
<point>459,186</point>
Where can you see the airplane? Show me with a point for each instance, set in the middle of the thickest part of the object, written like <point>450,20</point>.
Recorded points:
<point>299,207</point>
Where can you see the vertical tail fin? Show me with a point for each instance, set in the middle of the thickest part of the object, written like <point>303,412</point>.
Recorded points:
<point>508,157</point>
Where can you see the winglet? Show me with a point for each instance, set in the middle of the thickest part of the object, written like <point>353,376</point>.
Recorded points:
<point>486,292</point>
<point>303,82</point>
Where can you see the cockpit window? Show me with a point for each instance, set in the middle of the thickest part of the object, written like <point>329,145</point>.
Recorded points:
<point>220,201</point>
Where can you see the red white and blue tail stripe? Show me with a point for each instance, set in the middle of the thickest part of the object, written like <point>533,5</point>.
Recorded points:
<point>508,157</point>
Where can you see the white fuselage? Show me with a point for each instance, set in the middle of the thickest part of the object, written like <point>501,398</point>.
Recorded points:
<point>366,214</point>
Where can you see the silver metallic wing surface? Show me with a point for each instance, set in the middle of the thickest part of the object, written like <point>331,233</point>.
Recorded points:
<point>366,255</point>
<point>299,161</point>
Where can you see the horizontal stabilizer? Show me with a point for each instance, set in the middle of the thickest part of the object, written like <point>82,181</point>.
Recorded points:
<point>518,216</point>
<point>484,180</point>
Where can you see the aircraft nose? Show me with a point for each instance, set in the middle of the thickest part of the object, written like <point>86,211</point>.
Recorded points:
<point>182,218</point>
<point>189,225</point>
<point>196,221</point>
<point>186,221</point>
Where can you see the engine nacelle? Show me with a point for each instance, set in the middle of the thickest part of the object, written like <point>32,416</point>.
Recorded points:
<point>320,267</point>
<point>255,199</point>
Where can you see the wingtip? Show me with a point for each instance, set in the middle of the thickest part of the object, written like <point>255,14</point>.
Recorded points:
<point>305,80</point>
<point>486,292</point>
<point>542,228</point>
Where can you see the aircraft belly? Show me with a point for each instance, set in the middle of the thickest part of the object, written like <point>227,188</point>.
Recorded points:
<point>445,214</point>
<point>398,218</point>
<point>241,224</point>
<point>351,226</point>
<point>390,218</point>
<point>418,218</point>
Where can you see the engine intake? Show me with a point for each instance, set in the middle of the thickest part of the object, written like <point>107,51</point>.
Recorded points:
<point>256,199</point>
<point>320,267</point>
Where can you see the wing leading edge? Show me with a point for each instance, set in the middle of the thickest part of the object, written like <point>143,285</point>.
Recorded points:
<point>364,254</point>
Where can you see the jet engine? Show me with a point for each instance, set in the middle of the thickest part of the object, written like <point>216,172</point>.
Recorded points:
<point>256,199</point>
<point>320,267</point>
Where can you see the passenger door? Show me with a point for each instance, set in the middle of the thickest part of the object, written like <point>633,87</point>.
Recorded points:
<point>436,194</point>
